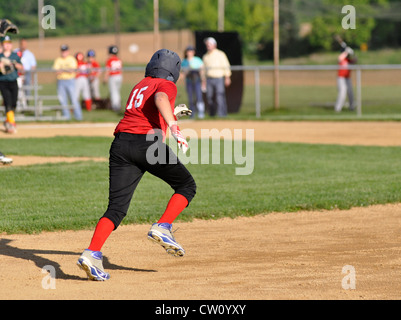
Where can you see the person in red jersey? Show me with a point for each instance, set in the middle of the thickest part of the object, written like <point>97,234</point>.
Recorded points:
<point>94,73</point>
<point>139,147</point>
<point>82,81</point>
<point>344,82</point>
<point>114,78</point>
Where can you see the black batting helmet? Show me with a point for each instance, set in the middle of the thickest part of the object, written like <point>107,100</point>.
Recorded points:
<point>164,64</point>
<point>113,49</point>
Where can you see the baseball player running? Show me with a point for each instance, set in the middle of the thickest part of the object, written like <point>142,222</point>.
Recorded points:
<point>149,112</point>
<point>6,26</point>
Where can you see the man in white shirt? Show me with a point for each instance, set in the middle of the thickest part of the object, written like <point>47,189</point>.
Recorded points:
<point>28,61</point>
<point>218,76</point>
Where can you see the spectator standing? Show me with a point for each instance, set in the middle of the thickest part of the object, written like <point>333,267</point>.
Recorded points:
<point>218,77</point>
<point>29,63</point>
<point>113,76</point>
<point>192,67</point>
<point>65,67</point>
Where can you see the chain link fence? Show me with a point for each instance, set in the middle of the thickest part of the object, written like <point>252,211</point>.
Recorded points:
<point>307,91</point>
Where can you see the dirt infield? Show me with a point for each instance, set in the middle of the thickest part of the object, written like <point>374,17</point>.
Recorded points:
<point>303,255</point>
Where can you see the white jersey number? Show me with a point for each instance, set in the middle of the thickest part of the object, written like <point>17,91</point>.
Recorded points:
<point>137,98</point>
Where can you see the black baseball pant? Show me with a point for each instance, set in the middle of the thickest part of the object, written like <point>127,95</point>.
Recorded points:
<point>131,155</point>
<point>9,91</point>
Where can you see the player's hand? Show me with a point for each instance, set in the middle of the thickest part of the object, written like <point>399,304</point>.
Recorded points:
<point>349,51</point>
<point>182,110</point>
<point>182,142</point>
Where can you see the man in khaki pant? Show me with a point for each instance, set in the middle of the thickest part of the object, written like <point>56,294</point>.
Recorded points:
<point>218,77</point>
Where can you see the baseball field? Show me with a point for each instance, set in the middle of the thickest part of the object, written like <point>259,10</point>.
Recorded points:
<point>318,217</point>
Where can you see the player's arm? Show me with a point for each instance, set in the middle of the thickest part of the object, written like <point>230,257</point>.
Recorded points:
<point>347,52</point>
<point>163,105</point>
<point>18,65</point>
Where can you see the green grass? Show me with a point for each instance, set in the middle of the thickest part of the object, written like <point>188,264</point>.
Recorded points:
<point>58,146</point>
<point>286,177</point>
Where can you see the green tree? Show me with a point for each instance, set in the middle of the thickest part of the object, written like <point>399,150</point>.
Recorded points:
<point>201,14</point>
<point>328,23</point>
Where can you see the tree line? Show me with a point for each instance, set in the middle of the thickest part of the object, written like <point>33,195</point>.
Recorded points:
<point>305,25</point>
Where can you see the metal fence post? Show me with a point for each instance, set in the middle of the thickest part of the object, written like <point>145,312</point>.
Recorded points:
<point>358,92</point>
<point>257,92</point>
<point>36,96</point>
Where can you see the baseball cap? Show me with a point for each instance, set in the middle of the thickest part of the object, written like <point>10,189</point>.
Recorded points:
<point>6,39</point>
<point>64,47</point>
<point>190,48</point>
<point>211,40</point>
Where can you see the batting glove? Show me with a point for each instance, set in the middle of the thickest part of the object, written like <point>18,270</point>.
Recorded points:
<point>182,110</point>
<point>349,51</point>
<point>182,142</point>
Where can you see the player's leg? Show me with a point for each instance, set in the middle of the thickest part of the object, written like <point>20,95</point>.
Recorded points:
<point>342,94</point>
<point>86,93</point>
<point>221,98</point>
<point>119,84</point>
<point>115,83</point>
<point>200,105</point>
<point>350,93</point>
<point>190,93</point>
<point>95,89</point>
<point>62,95</point>
<point>6,95</point>
<point>210,92</point>
<point>181,181</point>
<point>123,179</point>
<point>11,106</point>
<point>74,100</point>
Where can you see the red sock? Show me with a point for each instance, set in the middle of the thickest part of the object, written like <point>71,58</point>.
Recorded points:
<point>103,229</point>
<point>175,206</point>
<point>88,104</point>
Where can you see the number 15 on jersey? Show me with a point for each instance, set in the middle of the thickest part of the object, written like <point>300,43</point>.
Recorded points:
<point>136,98</point>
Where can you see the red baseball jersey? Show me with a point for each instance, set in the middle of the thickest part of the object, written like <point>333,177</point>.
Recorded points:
<point>114,65</point>
<point>141,114</point>
<point>94,68</point>
<point>82,70</point>
<point>345,73</point>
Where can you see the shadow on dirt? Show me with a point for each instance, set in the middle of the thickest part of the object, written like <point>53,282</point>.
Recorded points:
<point>35,255</point>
